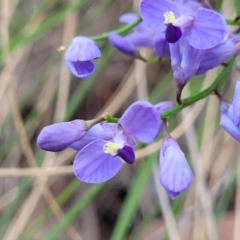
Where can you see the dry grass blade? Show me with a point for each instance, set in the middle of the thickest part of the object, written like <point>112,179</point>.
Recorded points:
<point>21,130</point>
<point>237,204</point>
<point>201,190</point>
<point>169,219</point>
<point>142,93</point>
<point>36,172</point>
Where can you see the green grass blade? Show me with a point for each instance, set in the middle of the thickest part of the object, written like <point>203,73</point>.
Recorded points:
<point>131,203</point>
<point>12,208</point>
<point>61,199</point>
<point>74,211</point>
<point>219,5</point>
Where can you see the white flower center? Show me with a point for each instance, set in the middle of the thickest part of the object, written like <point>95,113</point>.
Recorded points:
<point>112,148</point>
<point>169,17</point>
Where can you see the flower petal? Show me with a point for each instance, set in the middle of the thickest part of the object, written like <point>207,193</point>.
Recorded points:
<point>121,44</point>
<point>191,59</point>
<point>92,165</point>
<point>152,12</point>
<point>236,104</point>
<point>140,39</point>
<point>141,120</point>
<point>175,173</point>
<point>82,49</point>
<point>59,136</point>
<point>176,56</point>
<point>213,57</point>
<point>128,18</point>
<point>209,28</point>
<point>161,46</point>
<point>164,106</point>
<point>95,132</point>
<point>172,34</point>
<point>226,122</point>
<point>81,69</point>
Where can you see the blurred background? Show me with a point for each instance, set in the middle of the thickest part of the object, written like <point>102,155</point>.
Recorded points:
<point>39,196</point>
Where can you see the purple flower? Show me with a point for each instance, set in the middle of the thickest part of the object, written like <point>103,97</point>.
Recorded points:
<point>79,56</point>
<point>58,136</point>
<point>230,114</point>
<point>188,61</point>
<point>206,28</point>
<point>175,173</point>
<point>130,43</point>
<point>100,160</point>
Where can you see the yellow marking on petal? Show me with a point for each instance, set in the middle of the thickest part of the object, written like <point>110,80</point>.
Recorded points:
<point>169,18</point>
<point>112,148</point>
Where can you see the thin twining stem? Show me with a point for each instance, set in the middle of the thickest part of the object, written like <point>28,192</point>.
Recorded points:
<point>123,30</point>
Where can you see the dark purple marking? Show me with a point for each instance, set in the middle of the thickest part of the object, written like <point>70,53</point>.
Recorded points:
<point>127,154</point>
<point>172,34</point>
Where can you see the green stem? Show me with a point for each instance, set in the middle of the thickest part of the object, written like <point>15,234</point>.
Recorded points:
<point>122,30</point>
<point>190,100</point>
<point>111,119</point>
<point>232,22</point>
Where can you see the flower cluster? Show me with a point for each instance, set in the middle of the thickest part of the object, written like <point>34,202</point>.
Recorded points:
<point>103,146</point>
<point>196,40</point>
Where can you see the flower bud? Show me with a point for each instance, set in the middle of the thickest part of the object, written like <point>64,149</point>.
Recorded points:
<point>58,136</point>
<point>175,173</point>
<point>79,56</point>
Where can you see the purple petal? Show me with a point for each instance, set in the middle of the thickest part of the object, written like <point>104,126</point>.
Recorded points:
<point>172,195</point>
<point>82,49</point>
<point>188,7</point>
<point>164,106</point>
<point>152,12</point>
<point>172,34</point>
<point>141,39</point>
<point>92,165</point>
<point>59,136</point>
<point>175,173</point>
<point>81,69</point>
<point>176,56</point>
<point>127,154</point>
<point>226,120</point>
<point>209,28</point>
<point>161,46</point>
<point>215,56</point>
<point>236,104</point>
<point>110,127</point>
<point>96,132</point>
<point>122,44</point>
<point>128,18</point>
<point>191,59</point>
<point>141,120</point>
